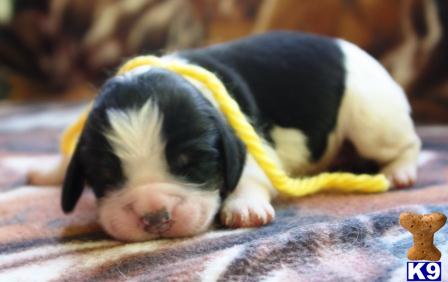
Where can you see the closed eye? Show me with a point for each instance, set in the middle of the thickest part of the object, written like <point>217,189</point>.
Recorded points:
<point>192,155</point>
<point>183,160</point>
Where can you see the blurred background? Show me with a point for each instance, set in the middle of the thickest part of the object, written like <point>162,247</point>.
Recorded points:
<point>65,49</point>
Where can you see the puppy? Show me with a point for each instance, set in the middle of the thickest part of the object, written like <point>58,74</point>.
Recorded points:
<point>163,162</point>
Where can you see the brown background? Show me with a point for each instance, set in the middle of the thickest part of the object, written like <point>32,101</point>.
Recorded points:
<point>66,48</point>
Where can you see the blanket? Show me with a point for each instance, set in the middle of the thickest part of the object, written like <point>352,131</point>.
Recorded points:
<point>324,237</point>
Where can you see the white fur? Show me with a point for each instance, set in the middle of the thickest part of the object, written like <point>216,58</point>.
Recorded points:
<point>250,204</point>
<point>375,116</point>
<point>136,139</point>
<point>291,148</point>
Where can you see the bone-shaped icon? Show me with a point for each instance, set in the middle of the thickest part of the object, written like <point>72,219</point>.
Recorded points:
<point>422,228</point>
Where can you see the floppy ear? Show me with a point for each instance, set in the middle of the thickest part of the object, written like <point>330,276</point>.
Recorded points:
<point>73,182</point>
<point>234,156</point>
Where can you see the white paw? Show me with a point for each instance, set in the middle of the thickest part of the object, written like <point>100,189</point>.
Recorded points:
<point>401,177</point>
<point>37,177</point>
<point>246,212</point>
<point>47,171</point>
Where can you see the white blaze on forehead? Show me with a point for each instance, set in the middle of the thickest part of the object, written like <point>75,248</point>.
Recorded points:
<point>136,71</point>
<point>136,138</point>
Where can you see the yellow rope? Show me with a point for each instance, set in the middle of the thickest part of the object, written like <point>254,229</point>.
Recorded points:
<point>71,135</point>
<point>296,187</point>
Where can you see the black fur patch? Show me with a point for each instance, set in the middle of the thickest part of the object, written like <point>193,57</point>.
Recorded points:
<point>289,79</point>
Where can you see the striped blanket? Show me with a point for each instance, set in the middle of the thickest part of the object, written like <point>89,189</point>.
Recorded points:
<point>325,237</point>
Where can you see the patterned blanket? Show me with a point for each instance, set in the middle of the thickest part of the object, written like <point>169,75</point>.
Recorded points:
<point>325,237</point>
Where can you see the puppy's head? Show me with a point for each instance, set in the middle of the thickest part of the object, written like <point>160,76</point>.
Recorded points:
<point>158,156</point>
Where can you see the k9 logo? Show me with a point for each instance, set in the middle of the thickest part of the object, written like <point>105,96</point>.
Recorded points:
<point>424,271</point>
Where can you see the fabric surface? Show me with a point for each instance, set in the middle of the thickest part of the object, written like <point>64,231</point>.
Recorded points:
<point>325,237</point>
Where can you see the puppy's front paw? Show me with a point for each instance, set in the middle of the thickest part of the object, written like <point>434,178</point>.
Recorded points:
<point>36,177</point>
<point>47,171</point>
<point>242,212</point>
<point>402,176</point>
<point>42,177</point>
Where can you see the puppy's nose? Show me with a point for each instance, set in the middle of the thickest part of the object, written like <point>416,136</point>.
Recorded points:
<point>157,221</point>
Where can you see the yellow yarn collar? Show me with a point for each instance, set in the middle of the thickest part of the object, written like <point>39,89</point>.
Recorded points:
<point>296,187</point>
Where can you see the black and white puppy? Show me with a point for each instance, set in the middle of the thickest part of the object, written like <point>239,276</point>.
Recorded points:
<point>163,162</point>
